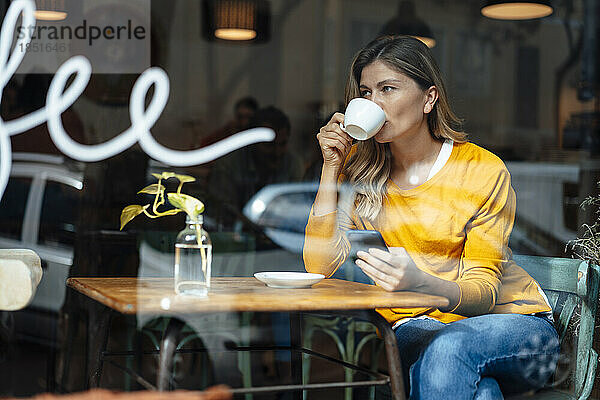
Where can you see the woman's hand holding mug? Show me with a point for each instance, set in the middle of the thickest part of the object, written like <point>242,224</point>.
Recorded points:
<point>335,143</point>
<point>363,119</point>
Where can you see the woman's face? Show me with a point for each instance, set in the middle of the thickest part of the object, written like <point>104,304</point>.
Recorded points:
<point>405,104</point>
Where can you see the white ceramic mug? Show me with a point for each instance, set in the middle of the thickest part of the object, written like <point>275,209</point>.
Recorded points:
<point>363,119</point>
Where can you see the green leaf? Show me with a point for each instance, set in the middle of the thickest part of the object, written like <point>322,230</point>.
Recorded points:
<point>153,189</point>
<point>191,205</point>
<point>164,175</point>
<point>185,178</point>
<point>130,212</point>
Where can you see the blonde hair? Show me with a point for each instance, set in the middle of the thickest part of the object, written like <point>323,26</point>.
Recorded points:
<point>368,169</point>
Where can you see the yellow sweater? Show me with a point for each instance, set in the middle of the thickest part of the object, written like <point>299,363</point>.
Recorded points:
<point>455,226</point>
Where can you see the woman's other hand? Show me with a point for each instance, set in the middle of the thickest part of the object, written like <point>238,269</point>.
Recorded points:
<point>394,270</point>
<point>335,143</point>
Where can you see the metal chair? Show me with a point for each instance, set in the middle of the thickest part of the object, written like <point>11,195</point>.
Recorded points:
<point>572,287</point>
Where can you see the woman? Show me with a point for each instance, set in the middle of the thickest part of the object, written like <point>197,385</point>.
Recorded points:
<point>445,208</point>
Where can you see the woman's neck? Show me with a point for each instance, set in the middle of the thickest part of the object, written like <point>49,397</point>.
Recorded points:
<point>412,159</point>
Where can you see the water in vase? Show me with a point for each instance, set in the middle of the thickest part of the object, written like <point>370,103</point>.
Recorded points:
<point>192,269</point>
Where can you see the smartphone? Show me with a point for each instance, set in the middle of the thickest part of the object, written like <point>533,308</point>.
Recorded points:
<point>363,240</point>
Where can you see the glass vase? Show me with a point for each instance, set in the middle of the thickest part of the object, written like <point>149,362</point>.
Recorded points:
<point>193,259</point>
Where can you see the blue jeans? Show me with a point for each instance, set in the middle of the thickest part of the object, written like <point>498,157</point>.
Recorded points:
<point>478,358</point>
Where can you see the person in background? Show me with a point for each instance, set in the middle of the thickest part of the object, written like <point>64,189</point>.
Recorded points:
<point>445,208</point>
<point>237,176</point>
<point>243,112</point>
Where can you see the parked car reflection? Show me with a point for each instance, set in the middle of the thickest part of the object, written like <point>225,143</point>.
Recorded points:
<point>282,211</point>
<point>38,211</point>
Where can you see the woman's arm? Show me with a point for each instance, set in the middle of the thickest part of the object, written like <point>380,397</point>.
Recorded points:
<point>323,247</point>
<point>335,145</point>
<point>327,195</point>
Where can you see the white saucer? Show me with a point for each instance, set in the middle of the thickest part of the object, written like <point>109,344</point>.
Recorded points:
<point>289,280</point>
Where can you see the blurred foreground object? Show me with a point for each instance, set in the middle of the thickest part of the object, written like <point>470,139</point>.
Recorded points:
<point>20,274</point>
<point>214,393</point>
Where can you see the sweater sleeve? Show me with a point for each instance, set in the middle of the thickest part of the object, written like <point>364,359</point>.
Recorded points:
<point>486,248</point>
<point>325,245</point>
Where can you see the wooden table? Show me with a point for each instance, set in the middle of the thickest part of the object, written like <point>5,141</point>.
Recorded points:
<point>232,294</point>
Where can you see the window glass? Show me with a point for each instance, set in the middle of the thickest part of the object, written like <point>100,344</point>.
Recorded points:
<point>527,91</point>
<point>59,214</point>
<point>288,211</point>
<point>12,207</point>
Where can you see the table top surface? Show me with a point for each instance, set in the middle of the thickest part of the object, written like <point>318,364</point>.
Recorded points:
<point>233,294</point>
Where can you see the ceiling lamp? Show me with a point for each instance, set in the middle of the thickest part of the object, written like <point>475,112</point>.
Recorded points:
<point>516,10</point>
<point>407,23</point>
<point>50,10</point>
<point>236,20</point>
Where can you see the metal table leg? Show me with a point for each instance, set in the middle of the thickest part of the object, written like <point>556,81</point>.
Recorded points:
<point>168,346</point>
<point>295,357</point>
<point>99,320</point>
<point>392,355</point>
<point>391,348</point>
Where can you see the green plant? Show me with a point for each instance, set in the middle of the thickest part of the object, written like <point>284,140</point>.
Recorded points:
<point>587,247</point>
<point>182,202</point>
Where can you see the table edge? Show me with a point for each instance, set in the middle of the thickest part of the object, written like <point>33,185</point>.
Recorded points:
<point>117,305</point>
